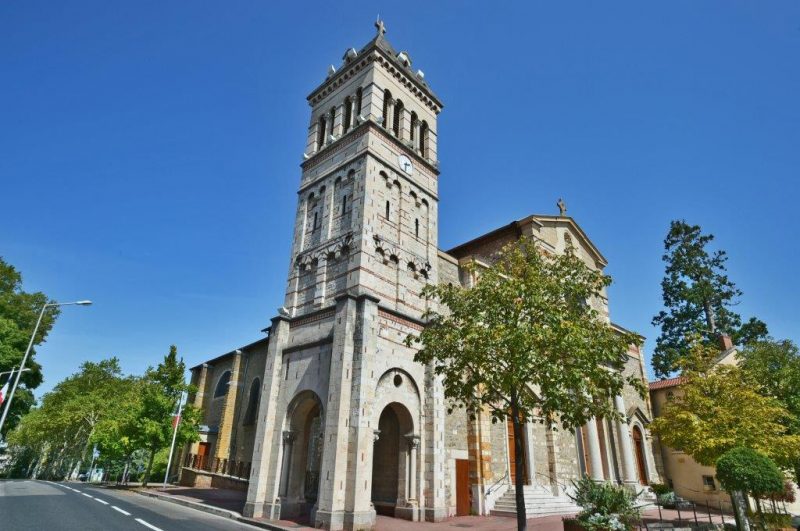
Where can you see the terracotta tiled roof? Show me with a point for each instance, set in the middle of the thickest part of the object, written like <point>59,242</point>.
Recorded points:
<point>663,384</point>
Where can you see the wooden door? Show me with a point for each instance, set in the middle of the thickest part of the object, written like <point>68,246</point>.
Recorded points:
<point>202,455</point>
<point>462,487</point>
<point>512,455</point>
<point>638,446</point>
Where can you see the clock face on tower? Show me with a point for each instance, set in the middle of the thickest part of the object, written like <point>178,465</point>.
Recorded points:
<point>405,164</point>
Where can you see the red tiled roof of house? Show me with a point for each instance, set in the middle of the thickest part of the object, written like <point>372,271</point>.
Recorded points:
<point>663,384</point>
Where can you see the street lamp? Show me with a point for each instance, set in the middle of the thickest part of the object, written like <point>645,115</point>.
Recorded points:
<point>28,351</point>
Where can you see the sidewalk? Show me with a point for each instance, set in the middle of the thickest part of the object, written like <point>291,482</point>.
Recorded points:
<point>230,503</point>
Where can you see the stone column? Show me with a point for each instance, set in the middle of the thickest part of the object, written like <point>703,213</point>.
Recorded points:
<point>529,454</point>
<point>226,424</point>
<point>262,492</point>
<point>626,445</point>
<point>413,444</point>
<point>595,457</point>
<point>353,116</point>
<point>336,456</point>
<point>417,139</point>
<point>286,466</point>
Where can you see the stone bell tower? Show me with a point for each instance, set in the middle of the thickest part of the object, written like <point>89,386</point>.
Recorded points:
<point>349,425</point>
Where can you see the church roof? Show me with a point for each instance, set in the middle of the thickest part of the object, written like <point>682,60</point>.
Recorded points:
<point>515,228</point>
<point>400,60</point>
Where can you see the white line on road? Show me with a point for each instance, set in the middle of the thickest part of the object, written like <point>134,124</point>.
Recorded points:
<point>101,501</point>
<point>126,513</point>
<point>87,495</point>
<point>151,526</point>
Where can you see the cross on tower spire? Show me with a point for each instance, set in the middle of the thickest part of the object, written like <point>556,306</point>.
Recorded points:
<point>380,26</point>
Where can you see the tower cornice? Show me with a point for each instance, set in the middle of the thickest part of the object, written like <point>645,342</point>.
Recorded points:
<point>374,52</point>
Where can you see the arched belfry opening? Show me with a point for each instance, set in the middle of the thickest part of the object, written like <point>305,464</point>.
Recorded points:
<point>302,441</point>
<point>394,465</point>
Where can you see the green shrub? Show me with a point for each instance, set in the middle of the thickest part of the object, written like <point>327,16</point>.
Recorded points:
<point>668,500</point>
<point>659,489</point>
<point>743,469</point>
<point>604,506</point>
<point>774,520</point>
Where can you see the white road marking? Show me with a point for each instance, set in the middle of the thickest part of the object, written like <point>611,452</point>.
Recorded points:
<point>87,495</point>
<point>126,513</point>
<point>101,501</point>
<point>151,526</point>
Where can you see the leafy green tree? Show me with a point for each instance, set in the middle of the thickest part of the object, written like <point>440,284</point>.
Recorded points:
<point>775,367</point>
<point>19,311</point>
<point>745,470</point>
<point>698,297</point>
<point>162,389</point>
<point>62,428</point>
<point>719,408</point>
<point>526,340</point>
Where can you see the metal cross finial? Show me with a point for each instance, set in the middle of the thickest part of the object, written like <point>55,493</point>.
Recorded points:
<point>381,26</point>
<point>562,207</point>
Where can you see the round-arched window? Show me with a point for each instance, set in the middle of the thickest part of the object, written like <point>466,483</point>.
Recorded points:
<point>222,385</point>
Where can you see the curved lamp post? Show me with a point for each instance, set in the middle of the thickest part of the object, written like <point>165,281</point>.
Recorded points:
<point>28,351</point>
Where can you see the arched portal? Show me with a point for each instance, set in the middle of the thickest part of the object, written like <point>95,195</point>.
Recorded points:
<point>638,443</point>
<point>394,461</point>
<point>302,455</point>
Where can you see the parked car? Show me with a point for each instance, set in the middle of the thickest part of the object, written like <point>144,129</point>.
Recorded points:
<point>82,477</point>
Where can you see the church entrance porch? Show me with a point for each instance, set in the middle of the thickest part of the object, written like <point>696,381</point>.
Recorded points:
<point>394,465</point>
<point>302,453</point>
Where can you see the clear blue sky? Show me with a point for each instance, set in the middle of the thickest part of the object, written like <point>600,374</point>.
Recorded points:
<point>149,150</point>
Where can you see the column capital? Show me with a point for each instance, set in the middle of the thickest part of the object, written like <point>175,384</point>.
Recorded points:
<point>413,441</point>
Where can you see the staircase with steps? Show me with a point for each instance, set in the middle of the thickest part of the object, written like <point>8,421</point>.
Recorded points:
<point>539,501</point>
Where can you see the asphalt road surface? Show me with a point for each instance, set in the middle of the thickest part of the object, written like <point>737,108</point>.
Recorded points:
<point>27,505</point>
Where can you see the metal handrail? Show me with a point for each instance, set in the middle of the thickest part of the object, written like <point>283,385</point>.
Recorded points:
<point>495,484</point>
<point>553,479</point>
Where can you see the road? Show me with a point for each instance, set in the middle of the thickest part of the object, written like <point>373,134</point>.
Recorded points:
<point>27,505</point>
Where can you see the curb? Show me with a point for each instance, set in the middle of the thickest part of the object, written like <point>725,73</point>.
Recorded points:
<point>225,513</point>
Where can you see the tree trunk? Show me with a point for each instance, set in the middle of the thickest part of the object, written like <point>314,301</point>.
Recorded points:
<point>738,502</point>
<point>522,519</point>
<point>149,468</point>
<point>709,311</point>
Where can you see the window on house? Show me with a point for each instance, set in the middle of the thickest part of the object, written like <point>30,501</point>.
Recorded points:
<point>222,384</point>
<point>708,483</point>
<point>252,403</point>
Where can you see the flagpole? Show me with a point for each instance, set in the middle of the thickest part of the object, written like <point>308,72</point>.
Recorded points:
<point>175,423</point>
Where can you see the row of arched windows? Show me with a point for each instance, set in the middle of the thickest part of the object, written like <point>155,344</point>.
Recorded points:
<point>394,117</point>
<point>419,210</point>
<point>351,110</point>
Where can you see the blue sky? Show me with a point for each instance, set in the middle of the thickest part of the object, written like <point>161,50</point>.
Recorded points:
<point>149,153</point>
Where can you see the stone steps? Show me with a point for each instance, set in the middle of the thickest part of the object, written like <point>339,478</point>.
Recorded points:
<point>538,502</point>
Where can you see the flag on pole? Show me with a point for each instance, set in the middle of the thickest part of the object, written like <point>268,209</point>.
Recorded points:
<point>4,390</point>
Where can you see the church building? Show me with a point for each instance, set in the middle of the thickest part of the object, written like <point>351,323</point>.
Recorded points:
<point>328,419</point>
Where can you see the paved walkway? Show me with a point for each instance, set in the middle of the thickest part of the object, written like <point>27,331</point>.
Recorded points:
<point>232,500</point>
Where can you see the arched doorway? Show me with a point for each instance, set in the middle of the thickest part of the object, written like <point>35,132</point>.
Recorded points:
<point>638,444</point>
<point>394,470</point>
<point>302,455</point>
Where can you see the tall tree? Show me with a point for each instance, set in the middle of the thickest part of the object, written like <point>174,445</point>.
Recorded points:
<point>775,367</point>
<point>18,313</point>
<point>63,426</point>
<point>161,392</point>
<point>526,340</point>
<point>698,297</point>
<point>719,408</point>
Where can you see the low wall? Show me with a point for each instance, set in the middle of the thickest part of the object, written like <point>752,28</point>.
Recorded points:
<point>202,479</point>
